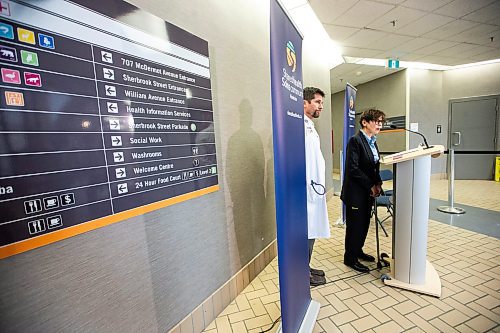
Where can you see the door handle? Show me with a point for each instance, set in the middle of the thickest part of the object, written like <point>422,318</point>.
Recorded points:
<point>459,135</point>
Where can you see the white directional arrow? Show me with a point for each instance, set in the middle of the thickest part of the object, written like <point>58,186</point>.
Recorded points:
<point>110,90</point>
<point>4,29</point>
<point>108,73</point>
<point>122,188</point>
<point>116,141</point>
<point>114,124</point>
<point>112,107</point>
<point>107,57</point>
<point>120,173</point>
<point>118,156</point>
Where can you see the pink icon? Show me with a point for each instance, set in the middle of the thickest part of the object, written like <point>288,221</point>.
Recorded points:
<point>32,79</point>
<point>4,8</point>
<point>11,76</point>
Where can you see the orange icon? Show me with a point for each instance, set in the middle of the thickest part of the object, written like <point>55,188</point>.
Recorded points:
<point>14,98</point>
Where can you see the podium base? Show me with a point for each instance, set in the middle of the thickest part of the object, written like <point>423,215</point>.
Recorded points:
<point>432,285</point>
<point>451,210</point>
<point>309,320</point>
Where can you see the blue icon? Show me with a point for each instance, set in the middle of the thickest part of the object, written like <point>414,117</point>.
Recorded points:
<point>6,31</point>
<point>46,41</point>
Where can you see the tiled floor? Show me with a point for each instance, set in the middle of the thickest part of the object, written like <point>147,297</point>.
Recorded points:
<point>468,264</point>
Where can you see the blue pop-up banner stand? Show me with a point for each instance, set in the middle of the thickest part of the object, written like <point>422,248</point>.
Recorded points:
<point>349,127</point>
<point>298,311</point>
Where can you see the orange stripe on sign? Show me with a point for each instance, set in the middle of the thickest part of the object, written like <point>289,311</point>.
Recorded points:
<point>35,242</point>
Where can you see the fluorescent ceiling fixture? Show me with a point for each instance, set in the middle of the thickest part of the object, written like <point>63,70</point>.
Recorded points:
<point>414,64</point>
<point>402,64</point>
<point>476,64</point>
<point>313,31</point>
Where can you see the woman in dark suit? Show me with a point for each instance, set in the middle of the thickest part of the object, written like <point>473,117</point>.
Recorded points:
<point>361,185</point>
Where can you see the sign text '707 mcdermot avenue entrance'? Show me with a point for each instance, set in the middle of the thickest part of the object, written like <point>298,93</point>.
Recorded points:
<point>99,122</point>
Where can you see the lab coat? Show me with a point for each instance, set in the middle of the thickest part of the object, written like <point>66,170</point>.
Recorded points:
<point>317,214</point>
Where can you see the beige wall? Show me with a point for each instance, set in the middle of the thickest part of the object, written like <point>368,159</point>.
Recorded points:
<point>429,94</point>
<point>387,94</point>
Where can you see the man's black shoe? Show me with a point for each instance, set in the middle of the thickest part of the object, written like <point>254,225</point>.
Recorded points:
<point>316,280</point>
<point>366,257</point>
<point>357,266</point>
<point>317,272</point>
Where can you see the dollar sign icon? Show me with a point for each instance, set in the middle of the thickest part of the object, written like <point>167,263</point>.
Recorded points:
<point>67,199</point>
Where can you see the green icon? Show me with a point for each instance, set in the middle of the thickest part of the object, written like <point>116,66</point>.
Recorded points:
<point>193,127</point>
<point>214,170</point>
<point>29,58</point>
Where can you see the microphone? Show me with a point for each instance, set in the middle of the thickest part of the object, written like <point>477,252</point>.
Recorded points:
<point>425,141</point>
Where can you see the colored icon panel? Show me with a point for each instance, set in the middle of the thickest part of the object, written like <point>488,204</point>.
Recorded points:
<point>32,79</point>
<point>14,98</point>
<point>46,41</point>
<point>8,53</point>
<point>4,8</point>
<point>26,36</point>
<point>6,31</point>
<point>11,76</point>
<point>29,58</point>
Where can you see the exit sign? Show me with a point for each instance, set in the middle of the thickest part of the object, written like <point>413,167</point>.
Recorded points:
<point>393,63</point>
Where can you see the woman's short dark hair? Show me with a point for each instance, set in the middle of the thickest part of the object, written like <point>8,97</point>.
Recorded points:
<point>371,115</point>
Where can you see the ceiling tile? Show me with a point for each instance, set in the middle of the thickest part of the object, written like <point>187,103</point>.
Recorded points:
<point>485,14</point>
<point>359,52</point>
<point>496,39</point>
<point>411,57</point>
<point>427,5</point>
<point>363,37</point>
<point>457,51</point>
<point>388,42</point>
<point>343,69</point>
<point>479,34</point>
<point>493,43</point>
<point>433,59</point>
<point>459,8</point>
<point>415,44</point>
<point>475,51</point>
<point>487,54</point>
<point>363,13</point>
<point>436,47</point>
<point>401,15</point>
<point>339,33</point>
<point>328,11</point>
<point>392,2</point>
<point>450,29</point>
<point>393,54</point>
<point>425,24</point>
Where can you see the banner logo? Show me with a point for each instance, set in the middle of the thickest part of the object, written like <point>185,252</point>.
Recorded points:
<point>291,58</point>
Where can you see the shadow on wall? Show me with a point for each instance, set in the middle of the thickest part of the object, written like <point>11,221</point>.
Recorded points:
<point>245,168</point>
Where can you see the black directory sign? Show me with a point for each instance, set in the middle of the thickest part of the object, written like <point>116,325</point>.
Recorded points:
<point>99,121</point>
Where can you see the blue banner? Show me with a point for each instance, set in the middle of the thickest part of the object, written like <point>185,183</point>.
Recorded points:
<point>349,126</point>
<point>289,168</point>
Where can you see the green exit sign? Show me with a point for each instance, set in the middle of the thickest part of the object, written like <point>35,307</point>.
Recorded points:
<point>393,63</point>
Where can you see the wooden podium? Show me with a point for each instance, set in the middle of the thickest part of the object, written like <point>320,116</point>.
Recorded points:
<point>410,268</point>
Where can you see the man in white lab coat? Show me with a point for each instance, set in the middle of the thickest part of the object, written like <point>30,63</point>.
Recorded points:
<point>317,215</point>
